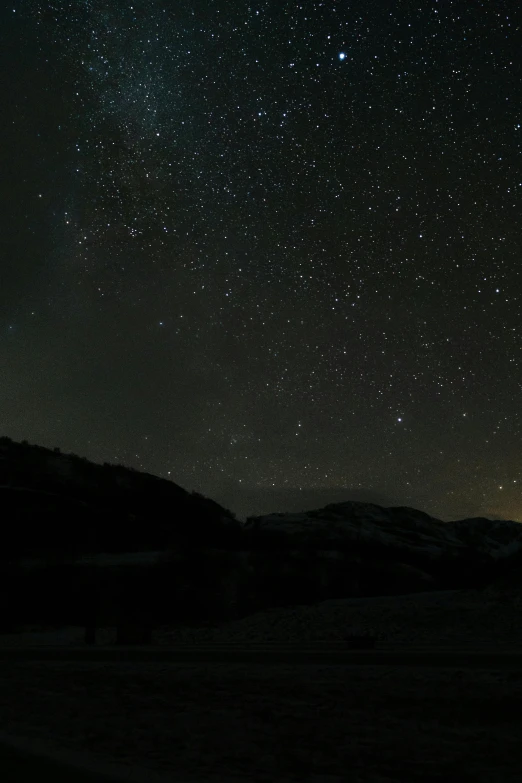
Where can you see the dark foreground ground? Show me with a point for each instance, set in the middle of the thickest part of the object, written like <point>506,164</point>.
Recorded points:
<point>275,654</point>
<point>17,766</point>
<point>22,761</point>
<point>231,722</point>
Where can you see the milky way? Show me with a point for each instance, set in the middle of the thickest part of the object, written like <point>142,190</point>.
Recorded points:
<point>270,251</point>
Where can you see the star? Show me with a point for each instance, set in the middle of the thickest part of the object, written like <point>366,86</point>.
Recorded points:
<point>270,210</point>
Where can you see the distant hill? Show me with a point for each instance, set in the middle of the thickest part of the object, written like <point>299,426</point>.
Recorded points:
<point>52,501</point>
<point>399,529</point>
<point>200,564</point>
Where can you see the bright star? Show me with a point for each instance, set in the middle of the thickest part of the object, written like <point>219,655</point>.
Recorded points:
<point>342,55</point>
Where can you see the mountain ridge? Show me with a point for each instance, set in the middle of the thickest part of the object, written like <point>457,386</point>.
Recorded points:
<point>397,526</point>
<point>114,507</point>
<point>118,508</point>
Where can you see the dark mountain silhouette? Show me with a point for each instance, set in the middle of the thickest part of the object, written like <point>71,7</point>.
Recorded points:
<point>113,542</point>
<point>54,502</point>
<point>338,525</point>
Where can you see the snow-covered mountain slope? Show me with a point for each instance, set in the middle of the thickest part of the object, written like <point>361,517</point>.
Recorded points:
<point>399,527</point>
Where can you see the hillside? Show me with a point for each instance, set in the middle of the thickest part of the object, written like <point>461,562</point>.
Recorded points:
<point>54,502</point>
<point>126,542</point>
<point>398,528</point>
<point>119,509</point>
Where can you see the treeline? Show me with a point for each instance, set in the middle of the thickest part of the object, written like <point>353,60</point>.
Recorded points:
<point>198,586</point>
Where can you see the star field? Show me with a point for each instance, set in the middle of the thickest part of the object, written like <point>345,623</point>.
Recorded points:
<point>269,251</point>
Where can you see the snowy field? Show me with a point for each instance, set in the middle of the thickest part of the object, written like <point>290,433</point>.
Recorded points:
<point>445,619</point>
<point>313,724</point>
<point>458,619</point>
<point>229,723</point>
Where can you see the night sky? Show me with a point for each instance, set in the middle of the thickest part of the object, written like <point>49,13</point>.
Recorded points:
<point>271,251</point>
